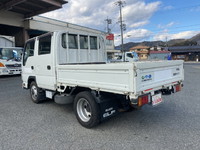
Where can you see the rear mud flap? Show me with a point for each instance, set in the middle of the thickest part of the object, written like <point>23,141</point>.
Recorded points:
<point>108,109</point>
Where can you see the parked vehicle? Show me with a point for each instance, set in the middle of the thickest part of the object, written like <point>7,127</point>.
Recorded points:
<point>70,67</point>
<point>10,60</point>
<point>131,56</point>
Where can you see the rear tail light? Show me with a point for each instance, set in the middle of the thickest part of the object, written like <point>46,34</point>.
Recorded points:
<point>2,65</point>
<point>178,88</point>
<point>143,100</point>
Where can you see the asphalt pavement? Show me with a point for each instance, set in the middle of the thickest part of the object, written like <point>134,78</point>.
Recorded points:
<point>173,125</point>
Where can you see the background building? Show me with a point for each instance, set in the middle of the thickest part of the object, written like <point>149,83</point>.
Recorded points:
<point>159,55</point>
<point>142,51</point>
<point>6,41</point>
<point>186,53</point>
<point>15,16</point>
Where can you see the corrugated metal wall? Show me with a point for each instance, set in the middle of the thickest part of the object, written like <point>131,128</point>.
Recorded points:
<point>5,42</point>
<point>162,56</point>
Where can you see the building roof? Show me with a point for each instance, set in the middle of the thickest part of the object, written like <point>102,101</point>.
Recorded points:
<point>159,52</point>
<point>182,49</point>
<point>139,47</point>
<point>31,8</point>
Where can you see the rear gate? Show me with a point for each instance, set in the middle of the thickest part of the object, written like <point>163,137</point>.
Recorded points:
<point>156,75</point>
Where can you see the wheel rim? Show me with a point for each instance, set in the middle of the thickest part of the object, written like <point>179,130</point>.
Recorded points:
<point>84,110</point>
<point>34,92</point>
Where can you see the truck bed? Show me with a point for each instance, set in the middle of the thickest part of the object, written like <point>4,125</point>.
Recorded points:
<point>122,78</point>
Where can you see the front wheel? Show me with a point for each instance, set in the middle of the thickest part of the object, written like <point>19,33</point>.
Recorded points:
<point>86,109</point>
<point>37,94</point>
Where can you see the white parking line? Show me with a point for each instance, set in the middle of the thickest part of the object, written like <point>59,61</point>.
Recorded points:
<point>196,67</point>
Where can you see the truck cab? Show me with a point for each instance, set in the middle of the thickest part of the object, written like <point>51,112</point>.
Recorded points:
<point>10,60</point>
<point>43,54</point>
<point>131,56</point>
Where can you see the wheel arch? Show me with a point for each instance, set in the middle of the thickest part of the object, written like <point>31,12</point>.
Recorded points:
<point>31,79</point>
<point>78,90</point>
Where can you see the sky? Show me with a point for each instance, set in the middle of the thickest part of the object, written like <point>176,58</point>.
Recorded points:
<point>146,20</point>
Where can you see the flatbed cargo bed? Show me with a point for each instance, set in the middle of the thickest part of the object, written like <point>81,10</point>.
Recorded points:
<point>122,78</point>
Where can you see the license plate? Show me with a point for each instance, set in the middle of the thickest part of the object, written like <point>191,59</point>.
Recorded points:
<point>156,99</point>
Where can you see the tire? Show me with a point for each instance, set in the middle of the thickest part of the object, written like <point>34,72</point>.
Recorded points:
<point>37,94</point>
<point>86,109</point>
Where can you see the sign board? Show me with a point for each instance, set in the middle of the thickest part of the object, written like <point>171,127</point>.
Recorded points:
<point>110,37</point>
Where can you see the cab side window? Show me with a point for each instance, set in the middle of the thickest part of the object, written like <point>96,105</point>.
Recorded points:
<point>72,40</point>
<point>93,42</point>
<point>44,45</point>
<point>83,42</point>
<point>29,50</point>
<point>64,41</point>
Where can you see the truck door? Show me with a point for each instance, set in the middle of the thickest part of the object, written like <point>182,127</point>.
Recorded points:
<point>28,60</point>
<point>44,65</point>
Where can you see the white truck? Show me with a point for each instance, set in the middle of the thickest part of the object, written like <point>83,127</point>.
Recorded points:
<point>10,60</point>
<point>131,56</point>
<point>70,67</point>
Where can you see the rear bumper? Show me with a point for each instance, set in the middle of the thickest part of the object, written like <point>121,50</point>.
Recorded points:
<point>149,93</point>
<point>169,87</point>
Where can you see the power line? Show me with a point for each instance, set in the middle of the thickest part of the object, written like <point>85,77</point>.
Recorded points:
<point>113,25</point>
<point>178,9</point>
<point>154,34</point>
<point>177,27</point>
<point>182,8</point>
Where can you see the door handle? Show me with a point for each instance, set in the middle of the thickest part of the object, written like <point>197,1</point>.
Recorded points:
<point>49,67</point>
<point>32,67</point>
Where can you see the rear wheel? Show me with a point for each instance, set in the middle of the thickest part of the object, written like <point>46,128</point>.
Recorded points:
<point>86,109</point>
<point>37,94</point>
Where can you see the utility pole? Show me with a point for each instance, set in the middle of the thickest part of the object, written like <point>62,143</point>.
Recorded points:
<point>166,42</point>
<point>108,21</point>
<point>121,3</point>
